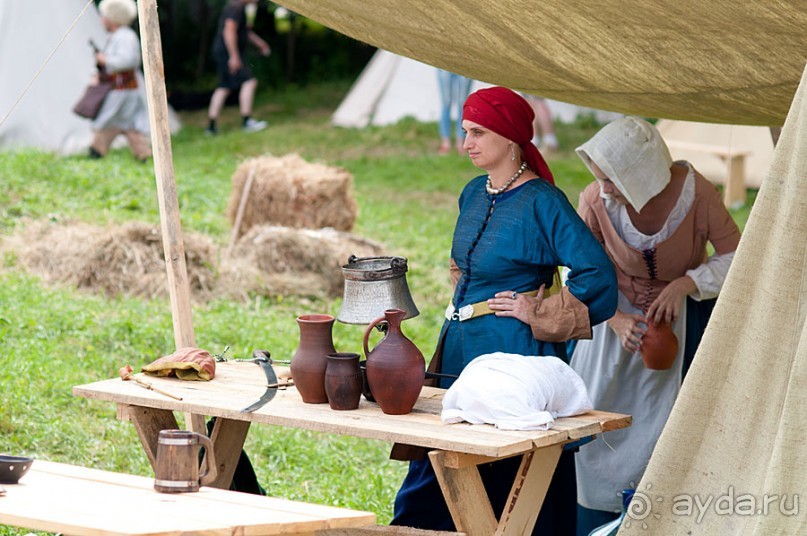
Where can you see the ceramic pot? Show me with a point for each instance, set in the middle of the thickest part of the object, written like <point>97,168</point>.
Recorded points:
<point>310,360</point>
<point>343,381</point>
<point>395,367</point>
<point>659,346</point>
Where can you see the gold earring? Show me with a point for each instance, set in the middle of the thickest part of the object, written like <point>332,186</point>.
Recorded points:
<point>513,151</point>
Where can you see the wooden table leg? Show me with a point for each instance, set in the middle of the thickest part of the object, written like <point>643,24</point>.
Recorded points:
<point>465,496</point>
<point>228,440</point>
<point>148,422</point>
<point>468,502</point>
<point>529,490</point>
<point>734,192</point>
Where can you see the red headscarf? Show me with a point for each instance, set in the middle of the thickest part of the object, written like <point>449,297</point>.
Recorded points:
<point>508,114</point>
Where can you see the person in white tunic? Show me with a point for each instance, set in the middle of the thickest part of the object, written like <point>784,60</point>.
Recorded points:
<point>655,218</point>
<point>124,109</point>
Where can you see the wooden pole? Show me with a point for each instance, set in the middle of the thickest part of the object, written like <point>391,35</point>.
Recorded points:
<point>240,214</point>
<point>173,246</point>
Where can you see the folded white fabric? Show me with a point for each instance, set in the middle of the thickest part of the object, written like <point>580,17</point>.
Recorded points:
<point>515,392</point>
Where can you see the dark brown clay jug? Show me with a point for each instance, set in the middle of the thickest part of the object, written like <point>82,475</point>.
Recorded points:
<point>343,381</point>
<point>395,367</point>
<point>659,346</point>
<point>309,362</point>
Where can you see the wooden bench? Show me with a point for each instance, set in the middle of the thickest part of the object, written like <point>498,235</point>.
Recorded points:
<point>734,192</point>
<point>79,501</point>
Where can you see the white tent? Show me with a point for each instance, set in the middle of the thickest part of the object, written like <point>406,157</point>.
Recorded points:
<point>40,116</point>
<point>392,87</point>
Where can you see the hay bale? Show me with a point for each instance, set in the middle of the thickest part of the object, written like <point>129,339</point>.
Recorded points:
<point>291,192</point>
<point>129,260</point>
<point>288,261</point>
<point>126,260</point>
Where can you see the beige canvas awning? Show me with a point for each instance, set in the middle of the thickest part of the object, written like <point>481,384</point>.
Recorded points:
<point>722,61</point>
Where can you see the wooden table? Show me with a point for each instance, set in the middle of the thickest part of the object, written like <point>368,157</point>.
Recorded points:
<point>78,501</point>
<point>458,448</point>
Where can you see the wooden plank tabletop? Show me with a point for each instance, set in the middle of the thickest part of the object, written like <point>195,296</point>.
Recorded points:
<point>238,384</point>
<point>79,501</point>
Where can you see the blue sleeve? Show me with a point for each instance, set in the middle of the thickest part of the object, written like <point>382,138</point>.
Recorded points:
<point>592,278</point>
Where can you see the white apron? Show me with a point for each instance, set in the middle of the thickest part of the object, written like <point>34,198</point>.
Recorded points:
<point>618,381</point>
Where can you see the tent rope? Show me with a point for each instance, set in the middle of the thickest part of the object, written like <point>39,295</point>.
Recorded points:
<point>47,60</point>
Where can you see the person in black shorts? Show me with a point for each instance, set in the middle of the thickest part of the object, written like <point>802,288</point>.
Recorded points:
<point>231,40</point>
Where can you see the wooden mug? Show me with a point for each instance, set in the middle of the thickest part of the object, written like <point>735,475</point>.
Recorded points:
<point>177,468</point>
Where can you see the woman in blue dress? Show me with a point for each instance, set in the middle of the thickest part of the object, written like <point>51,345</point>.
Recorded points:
<point>514,230</point>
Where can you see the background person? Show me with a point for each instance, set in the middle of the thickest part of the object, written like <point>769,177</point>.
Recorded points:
<point>655,218</point>
<point>228,52</point>
<point>513,231</point>
<point>124,109</point>
<point>544,137</point>
<point>454,89</point>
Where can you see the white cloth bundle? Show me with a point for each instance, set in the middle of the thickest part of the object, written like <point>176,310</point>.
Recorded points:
<point>515,392</point>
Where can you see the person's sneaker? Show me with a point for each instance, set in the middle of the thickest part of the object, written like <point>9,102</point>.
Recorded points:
<point>253,125</point>
<point>211,131</point>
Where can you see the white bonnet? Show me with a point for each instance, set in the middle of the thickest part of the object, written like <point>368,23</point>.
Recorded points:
<point>121,12</point>
<point>631,152</point>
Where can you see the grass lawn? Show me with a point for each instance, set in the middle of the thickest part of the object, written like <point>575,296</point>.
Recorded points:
<point>54,337</point>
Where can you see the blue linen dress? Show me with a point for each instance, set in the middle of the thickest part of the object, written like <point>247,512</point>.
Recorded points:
<point>512,241</point>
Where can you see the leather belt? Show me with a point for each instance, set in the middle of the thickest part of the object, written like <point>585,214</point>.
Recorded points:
<point>474,310</point>
<point>121,79</point>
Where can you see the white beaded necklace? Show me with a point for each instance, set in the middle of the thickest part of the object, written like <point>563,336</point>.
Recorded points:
<point>496,191</point>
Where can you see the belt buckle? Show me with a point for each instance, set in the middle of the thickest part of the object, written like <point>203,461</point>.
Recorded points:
<point>466,312</point>
<point>463,313</point>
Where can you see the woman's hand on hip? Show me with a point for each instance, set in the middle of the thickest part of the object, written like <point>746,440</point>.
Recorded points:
<point>668,304</point>
<point>511,303</point>
<point>629,329</point>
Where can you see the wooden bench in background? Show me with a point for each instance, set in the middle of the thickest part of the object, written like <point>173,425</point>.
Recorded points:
<point>734,192</point>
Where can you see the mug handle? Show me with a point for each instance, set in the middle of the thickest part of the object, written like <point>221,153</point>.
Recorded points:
<point>211,468</point>
<point>367,333</point>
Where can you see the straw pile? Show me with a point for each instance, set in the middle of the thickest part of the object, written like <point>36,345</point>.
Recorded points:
<point>126,260</point>
<point>286,261</point>
<point>291,192</point>
<point>129,260</point>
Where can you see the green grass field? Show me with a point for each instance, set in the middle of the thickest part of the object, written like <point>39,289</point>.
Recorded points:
<point>53,338</point>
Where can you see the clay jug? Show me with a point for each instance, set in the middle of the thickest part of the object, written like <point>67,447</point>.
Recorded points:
<point>310,360</point>
<point>659,346</point>
<point>395,367</point>
<point>343,381</point>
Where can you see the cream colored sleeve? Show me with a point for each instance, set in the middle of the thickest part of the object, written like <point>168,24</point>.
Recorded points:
<point>709,276</point>
<point>560,317</point>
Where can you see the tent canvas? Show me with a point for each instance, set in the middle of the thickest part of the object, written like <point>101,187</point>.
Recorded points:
<point>756,142</point>
<point>392,87</point>
<point>40,116</point>
<point>735,438</point>
<point>723,61</point>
